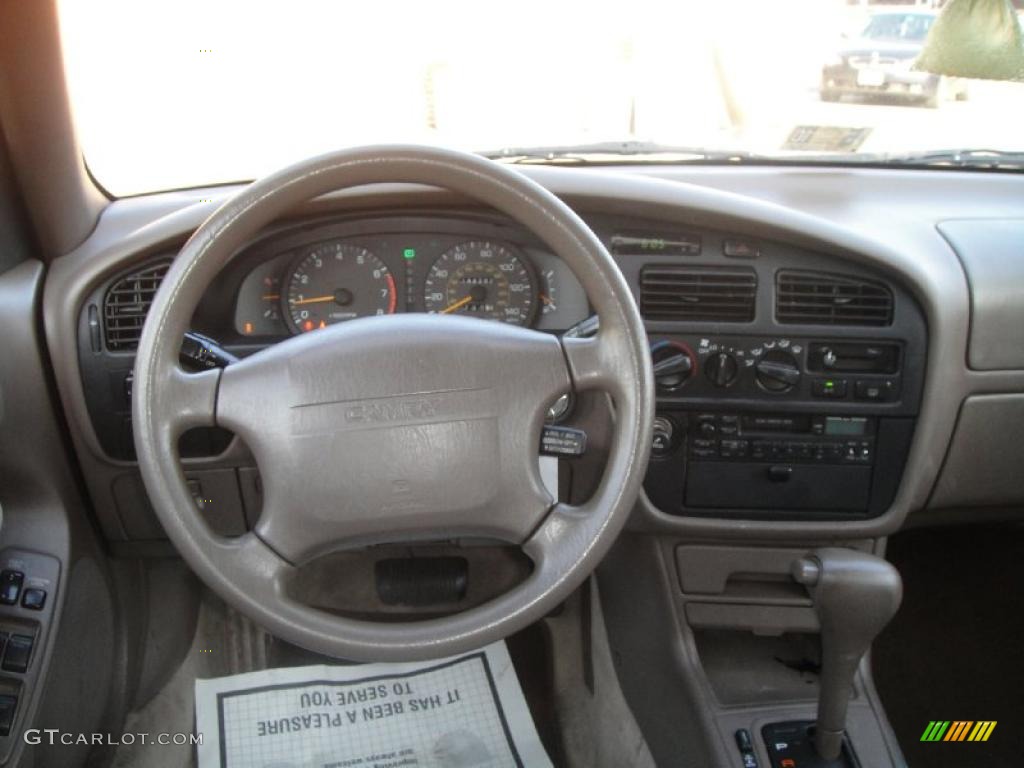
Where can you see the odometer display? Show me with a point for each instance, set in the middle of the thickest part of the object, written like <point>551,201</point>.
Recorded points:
<point>335,282</point>
<point>482,279</point>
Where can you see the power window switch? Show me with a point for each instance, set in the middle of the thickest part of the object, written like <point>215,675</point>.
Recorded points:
<point>10,586</point>
<point>746,747</point>
<point>8,708</point>
<point>33,599</point>
<point>17,653</point>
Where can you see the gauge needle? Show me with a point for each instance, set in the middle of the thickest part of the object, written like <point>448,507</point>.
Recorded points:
<point>314,300</point>
<point>457,305</point>
<point>544,297</point>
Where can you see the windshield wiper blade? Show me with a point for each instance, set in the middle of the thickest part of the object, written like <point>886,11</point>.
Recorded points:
<point>612,152</point>
<point>615,151</point>
<point>961,158</point>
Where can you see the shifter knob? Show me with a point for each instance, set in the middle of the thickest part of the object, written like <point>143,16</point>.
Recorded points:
<point>855,595</point>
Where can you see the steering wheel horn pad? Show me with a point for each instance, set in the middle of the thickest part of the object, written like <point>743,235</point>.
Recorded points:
<point>400,428</point>
<point>404,428</point>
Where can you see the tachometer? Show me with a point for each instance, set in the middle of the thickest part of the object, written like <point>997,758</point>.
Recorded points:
<point>335,282</point>
<point>482,279</point>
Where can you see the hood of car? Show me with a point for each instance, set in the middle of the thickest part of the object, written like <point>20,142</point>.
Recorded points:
<point>884,49</point>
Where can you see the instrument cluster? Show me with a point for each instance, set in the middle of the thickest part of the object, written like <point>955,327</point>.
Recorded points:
<point>310,281</point>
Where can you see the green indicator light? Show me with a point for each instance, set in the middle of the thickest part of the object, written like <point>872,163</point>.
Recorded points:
<point>829,384</point>
<point>409,253</point>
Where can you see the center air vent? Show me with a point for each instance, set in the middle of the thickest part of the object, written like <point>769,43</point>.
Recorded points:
<point>819,299</point>
<point>126,304</point>
<point>695,293</point>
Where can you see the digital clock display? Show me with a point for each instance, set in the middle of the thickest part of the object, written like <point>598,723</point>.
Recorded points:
<point>661,244</point>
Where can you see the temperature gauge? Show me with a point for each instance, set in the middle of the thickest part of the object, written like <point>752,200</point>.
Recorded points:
<point>270,299</point>
<point>258,311</point>
<point>548,291</point>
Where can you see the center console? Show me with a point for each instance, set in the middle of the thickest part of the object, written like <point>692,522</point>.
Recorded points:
<point>788,380</point>
<point>780,427</point>
<point>788,388</point>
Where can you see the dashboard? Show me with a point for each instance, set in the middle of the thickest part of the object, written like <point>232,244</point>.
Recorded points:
<point>808,376</point>
<point>788,380</point>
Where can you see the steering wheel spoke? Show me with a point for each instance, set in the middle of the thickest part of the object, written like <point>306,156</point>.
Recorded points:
<point>189,399</point>
<point>562,534</point>
<point>598,363</point>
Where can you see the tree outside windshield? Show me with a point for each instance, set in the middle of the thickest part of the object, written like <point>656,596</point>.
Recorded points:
<point>194,92</point>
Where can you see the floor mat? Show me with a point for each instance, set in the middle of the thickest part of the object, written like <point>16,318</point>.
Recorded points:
<point>955,650</point>
<point>458,712</point>
<point>226,643</point>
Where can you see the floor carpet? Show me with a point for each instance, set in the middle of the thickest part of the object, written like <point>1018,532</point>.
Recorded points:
<point>955,650</point>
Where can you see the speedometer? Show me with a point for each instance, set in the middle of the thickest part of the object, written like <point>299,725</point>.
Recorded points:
<point>482,279</point>
<point>335,282</point>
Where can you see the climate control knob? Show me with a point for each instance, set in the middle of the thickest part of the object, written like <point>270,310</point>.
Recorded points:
<point>721,369</point>
<point>777,372</point>
<point>674,364</point>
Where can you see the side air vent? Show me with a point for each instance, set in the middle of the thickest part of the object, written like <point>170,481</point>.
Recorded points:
<point>126,304</point>
<point>694,293</point>
<point>819,299</point>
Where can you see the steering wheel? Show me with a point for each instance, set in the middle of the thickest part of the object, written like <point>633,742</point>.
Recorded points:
<point>401,428</point>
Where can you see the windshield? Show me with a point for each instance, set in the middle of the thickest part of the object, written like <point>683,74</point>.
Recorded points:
<point>194,92</point>
<point>911,27</point>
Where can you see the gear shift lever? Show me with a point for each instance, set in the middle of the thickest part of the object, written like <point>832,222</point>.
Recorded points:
<point>855,595</point>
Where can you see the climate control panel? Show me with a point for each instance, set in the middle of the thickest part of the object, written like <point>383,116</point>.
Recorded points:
<point>744,367</point>
<point>780,427</point>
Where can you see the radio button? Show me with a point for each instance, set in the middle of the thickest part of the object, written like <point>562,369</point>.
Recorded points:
<point>704,448</point>
<point>733,448</point>
<point>859,452</point>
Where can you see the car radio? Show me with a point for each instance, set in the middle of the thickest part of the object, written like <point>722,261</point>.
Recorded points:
<point>789,438</point>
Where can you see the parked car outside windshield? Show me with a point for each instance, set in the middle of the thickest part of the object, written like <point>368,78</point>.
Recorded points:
<point>880,63</point>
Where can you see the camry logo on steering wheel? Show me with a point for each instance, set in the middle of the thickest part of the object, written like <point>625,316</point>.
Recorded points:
<point>402,410</point>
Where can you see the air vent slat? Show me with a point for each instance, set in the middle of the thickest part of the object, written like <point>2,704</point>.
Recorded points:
<point>697,293</point>
<point>821,299</point>
<point>126,304</point>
